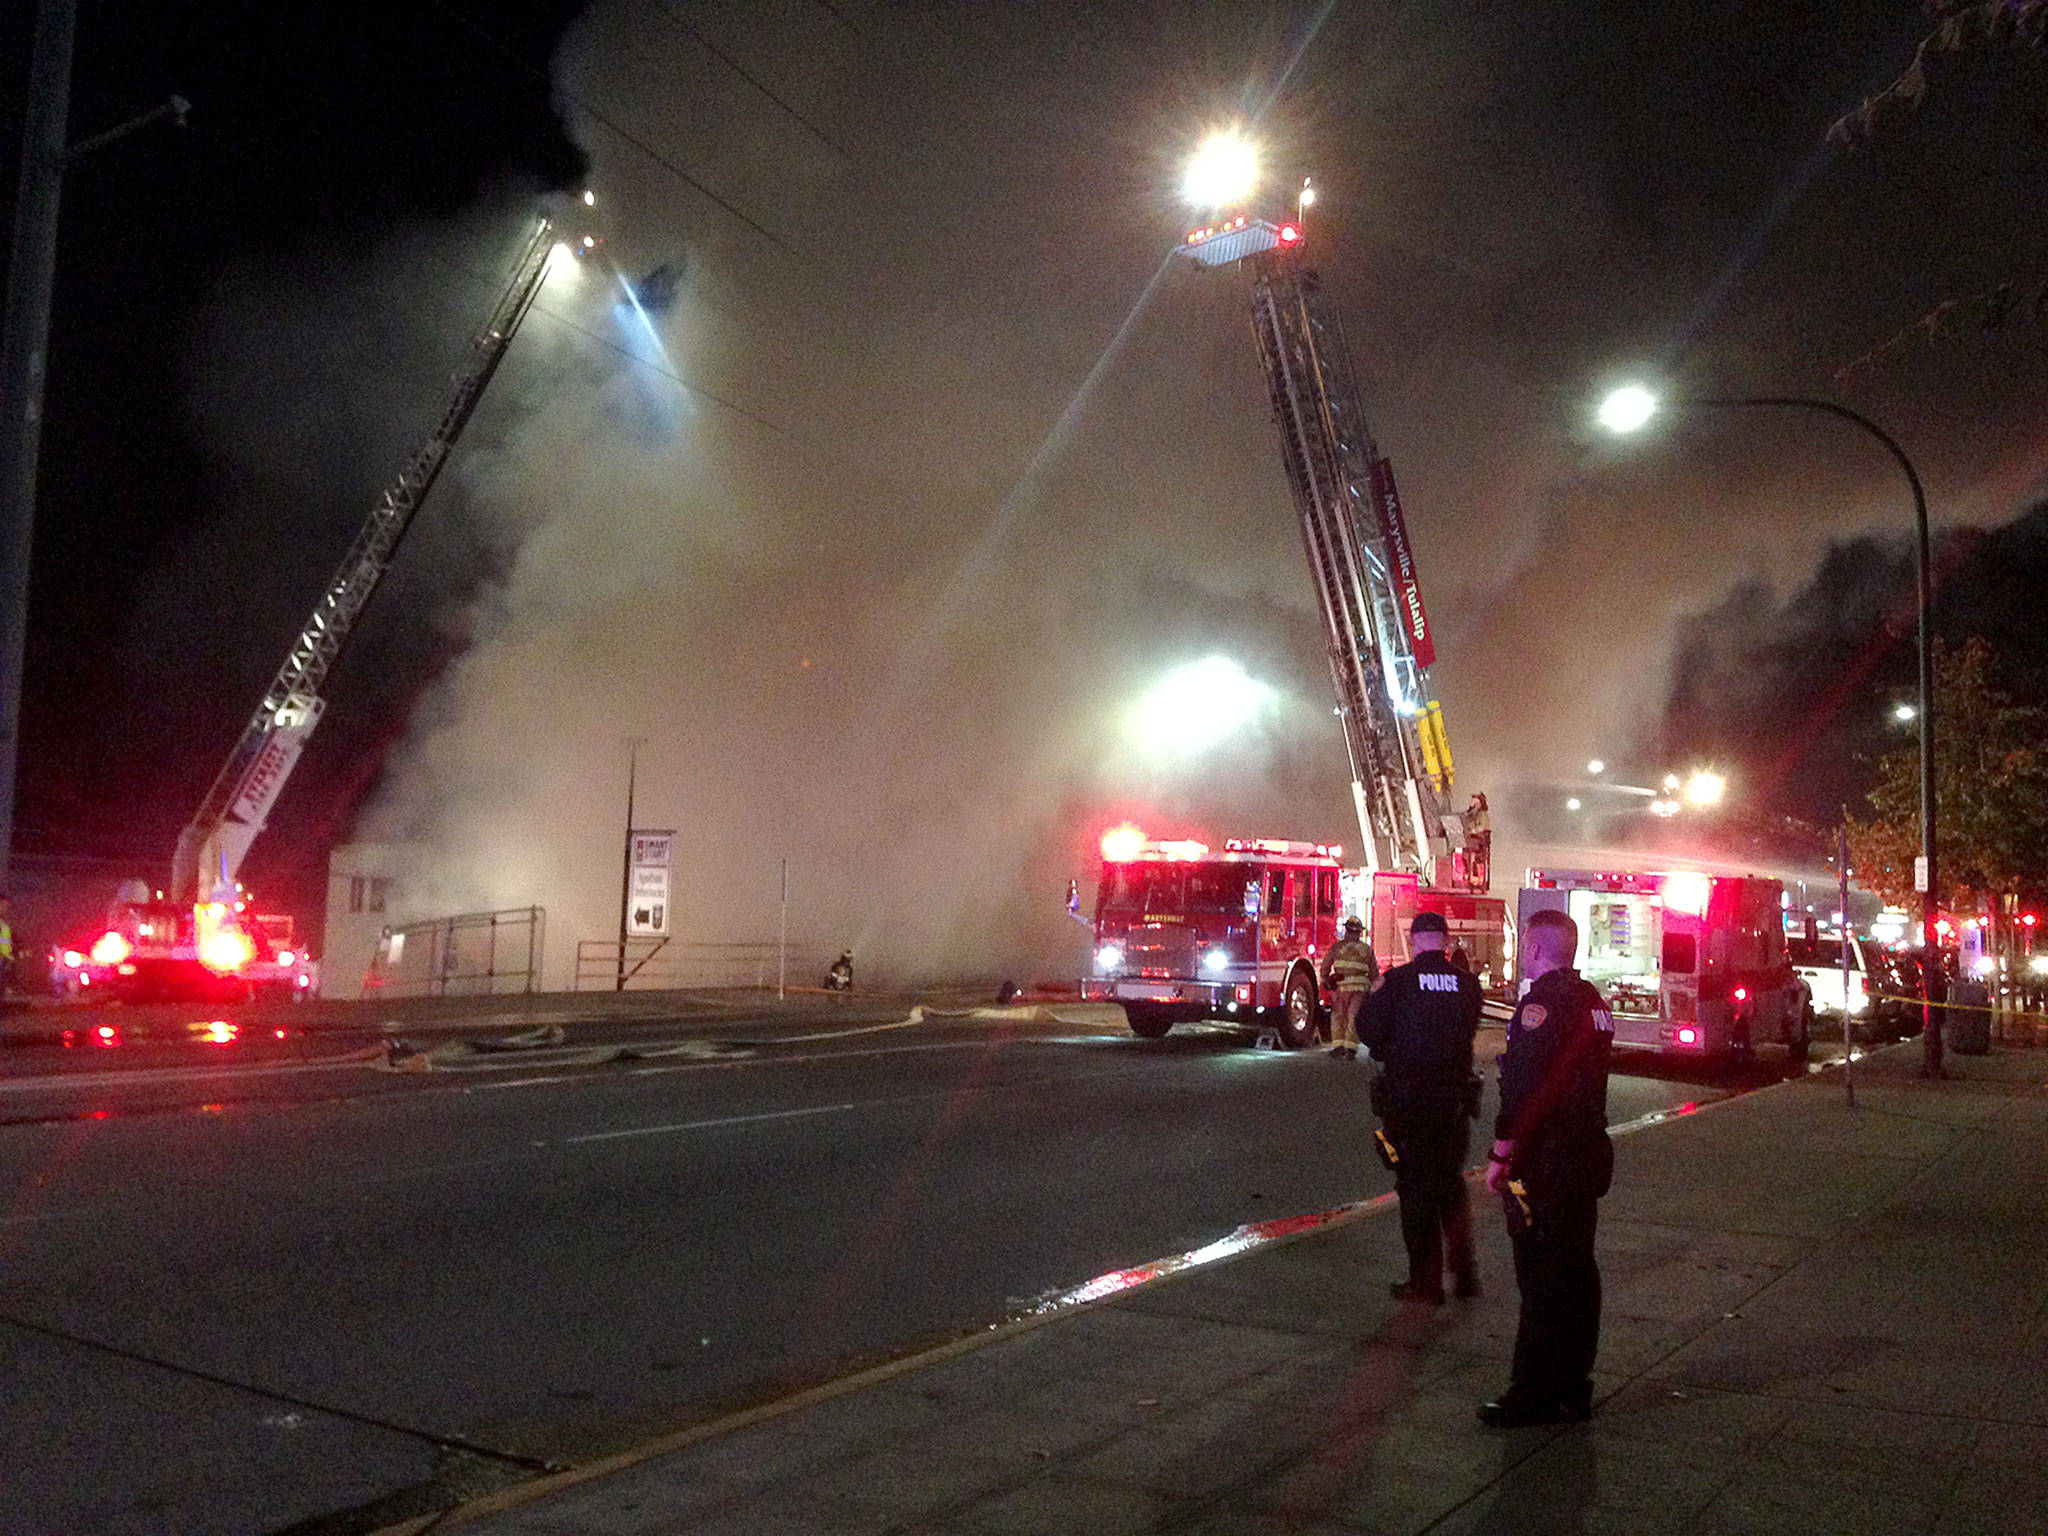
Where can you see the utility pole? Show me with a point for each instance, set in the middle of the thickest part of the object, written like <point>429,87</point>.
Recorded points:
<point>24,357</point>
<point>1869,981</point>
<point>633,745</point>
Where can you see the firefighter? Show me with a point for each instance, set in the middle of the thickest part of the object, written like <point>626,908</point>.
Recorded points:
<point>840,977</point>
<point>7,975</point>
<point>1349,971</point>
<point>1551,1163</point>
<point>1478,843</point>
<point>1420,1022</point>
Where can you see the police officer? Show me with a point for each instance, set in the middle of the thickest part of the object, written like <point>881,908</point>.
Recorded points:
<point>1420,1024</point>
<point>1349,970</point>
<point>1551,1163</point>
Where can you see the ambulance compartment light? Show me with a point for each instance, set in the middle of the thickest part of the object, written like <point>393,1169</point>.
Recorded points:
<point>1686,892</point>
<point>1216,960</point>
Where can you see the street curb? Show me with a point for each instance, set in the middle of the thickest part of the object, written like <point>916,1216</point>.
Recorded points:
<point>1259,1237</point>
<point>1266,1236</point>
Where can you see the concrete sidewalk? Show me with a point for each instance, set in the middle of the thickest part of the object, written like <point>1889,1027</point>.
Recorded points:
<point>1817,1320</point>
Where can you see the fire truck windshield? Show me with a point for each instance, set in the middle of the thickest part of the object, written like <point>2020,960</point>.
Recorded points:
<point>1150,886</point>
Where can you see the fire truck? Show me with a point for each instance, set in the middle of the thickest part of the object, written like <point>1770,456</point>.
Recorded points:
<point>1417,854</point>
<point>1184,932</point>
<point>201,941</point>
<point>1692,964</point>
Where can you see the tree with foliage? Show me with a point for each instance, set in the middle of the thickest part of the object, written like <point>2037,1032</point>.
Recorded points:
<point>1981,30</point>
<point>1990,790</point>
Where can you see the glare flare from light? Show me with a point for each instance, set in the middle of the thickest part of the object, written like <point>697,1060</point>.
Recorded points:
<point>1223,172</point>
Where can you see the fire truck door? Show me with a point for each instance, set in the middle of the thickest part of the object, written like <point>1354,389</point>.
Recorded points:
<point>1288,899</point>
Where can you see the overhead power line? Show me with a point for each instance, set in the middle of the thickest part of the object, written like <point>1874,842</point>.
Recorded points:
<point>733,64</point>
<point>604,119</point>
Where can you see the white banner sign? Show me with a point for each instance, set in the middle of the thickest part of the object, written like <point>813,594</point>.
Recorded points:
<point>647,894</point>
<point>647,905</point>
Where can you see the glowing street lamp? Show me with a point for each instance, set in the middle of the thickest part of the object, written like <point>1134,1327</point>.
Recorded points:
<point>1705,788</point>
<point>1596,768</point>
<point>1223,173</point>
<point>1627,409</point>
<point>1905,714</point>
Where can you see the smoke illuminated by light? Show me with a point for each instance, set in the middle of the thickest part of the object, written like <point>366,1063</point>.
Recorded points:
<point>1197,706</point>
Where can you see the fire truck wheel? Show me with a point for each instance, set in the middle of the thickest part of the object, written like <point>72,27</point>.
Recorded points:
<point>1300,1023</point>
<point>1148,1020</point>
<point>1800,1046</point>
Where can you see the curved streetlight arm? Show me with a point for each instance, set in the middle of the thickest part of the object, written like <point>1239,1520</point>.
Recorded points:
<point>1929,901</point>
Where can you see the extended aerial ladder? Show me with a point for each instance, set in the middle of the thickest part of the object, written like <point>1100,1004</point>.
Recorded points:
<point>211,848</point>
<point>1374,622</point>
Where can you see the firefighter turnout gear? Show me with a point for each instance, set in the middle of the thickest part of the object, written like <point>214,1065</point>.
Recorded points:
<point>1420,1024</point>
<point>1552,1138</point>
<point>1349,971</point>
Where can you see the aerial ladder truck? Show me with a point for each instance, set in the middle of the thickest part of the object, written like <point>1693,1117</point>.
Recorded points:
<point>211,848</point>
<point>1375,625</point>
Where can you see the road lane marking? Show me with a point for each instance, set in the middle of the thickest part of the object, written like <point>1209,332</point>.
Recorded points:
<point>706,1125</point>
<point>994,1091</point>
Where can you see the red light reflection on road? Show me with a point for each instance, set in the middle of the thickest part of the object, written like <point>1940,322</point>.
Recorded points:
<point>217,1032</point>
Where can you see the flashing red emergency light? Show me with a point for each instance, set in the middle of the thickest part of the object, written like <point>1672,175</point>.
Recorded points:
<point>1742,994</point>
<point>73,958</point>
<point>2027,919</point>
<point>1688,1037</point>
<point>1289,233</point>
<point>1121,844</point>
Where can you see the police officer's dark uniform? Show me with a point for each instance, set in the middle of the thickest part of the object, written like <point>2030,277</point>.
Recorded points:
<point>1553,1117</point>
<point>1420,1023</point>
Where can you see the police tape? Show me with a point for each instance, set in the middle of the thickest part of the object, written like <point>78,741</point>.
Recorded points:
<point>2011,1013</point>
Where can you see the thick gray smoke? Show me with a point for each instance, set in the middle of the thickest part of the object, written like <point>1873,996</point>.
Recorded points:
<point>892,617</point>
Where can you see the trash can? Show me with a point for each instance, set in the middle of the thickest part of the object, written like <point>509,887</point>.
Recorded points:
<point>1968,1031</point>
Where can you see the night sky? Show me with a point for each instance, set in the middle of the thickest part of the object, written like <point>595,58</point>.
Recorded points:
<point>874,534</point>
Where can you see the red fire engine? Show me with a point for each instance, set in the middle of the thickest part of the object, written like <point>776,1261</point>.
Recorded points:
<point>1184,932</point>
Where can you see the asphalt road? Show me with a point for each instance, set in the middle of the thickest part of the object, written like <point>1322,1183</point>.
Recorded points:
<point>254,1283</point>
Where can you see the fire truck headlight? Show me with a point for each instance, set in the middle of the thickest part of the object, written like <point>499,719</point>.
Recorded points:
<point>1109,958</point>
<point>225,950</point>
<point>1216,961</point>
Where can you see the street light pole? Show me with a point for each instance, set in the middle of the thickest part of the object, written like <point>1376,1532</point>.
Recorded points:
<point>1629,408</point>
<point>1930,902</point>
<point>633,745</point>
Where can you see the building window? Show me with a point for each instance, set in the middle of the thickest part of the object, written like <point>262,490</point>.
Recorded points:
<point>377,894</point>
<point>355,893</point>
